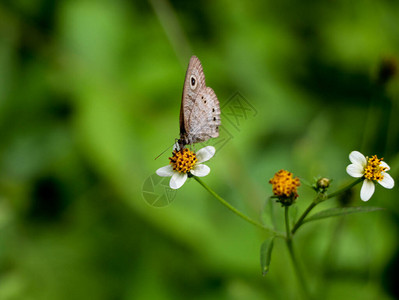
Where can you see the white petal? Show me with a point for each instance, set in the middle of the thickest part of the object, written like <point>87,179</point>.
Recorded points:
<point>367,190</point>
<point>165,171</point>
<point>177,180</point>
<point>205,153</point>
<point>385,165</point>
<point>357,158</point>
<point>200,170</point>
<point>387,182</point>
<point>355,170</point>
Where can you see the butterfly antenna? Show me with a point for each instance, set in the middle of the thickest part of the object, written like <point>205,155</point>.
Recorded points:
<point>163,152</point>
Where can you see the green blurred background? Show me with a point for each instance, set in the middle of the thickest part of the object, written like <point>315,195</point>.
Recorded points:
<point>90,94</point>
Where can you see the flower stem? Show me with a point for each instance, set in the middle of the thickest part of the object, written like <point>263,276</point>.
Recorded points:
<point>319,199</point>
<point>287,223</point>
<point>303,216</point>
<point>348,187</point>
<point>290,247</point>
<point>235,210</point>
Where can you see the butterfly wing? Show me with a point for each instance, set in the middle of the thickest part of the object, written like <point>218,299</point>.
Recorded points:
<point>204,121</point>
<point>193,83</point>
<point>199,110</point>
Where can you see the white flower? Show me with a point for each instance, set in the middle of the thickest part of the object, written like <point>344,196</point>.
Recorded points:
<point>186,162</point>
<point>372,169</point>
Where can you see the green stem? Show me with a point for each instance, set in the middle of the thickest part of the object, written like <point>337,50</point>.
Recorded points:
<point>349,186</point>
<point>303,216</point>
<point>319,199</point>
<point>290,247</point>
<point>287,223</point>
<point>235,210</point>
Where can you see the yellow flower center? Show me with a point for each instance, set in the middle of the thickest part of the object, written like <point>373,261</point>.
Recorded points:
<point>373,169</point>
<point>183,160</point>
<point>284,185</point>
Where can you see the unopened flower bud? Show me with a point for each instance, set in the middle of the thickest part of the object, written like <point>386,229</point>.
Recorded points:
<point>323,183</point>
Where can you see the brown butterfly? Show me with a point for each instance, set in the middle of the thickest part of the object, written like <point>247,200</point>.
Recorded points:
<point>199,110</point>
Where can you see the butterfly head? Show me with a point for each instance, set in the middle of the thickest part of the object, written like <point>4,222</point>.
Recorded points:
<point>182,142</point>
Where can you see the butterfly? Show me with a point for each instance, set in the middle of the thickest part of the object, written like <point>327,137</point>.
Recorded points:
<point>200,109</point>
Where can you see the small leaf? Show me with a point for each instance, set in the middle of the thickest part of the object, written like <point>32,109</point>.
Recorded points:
<point>340,211</point>
<point>265,254</point>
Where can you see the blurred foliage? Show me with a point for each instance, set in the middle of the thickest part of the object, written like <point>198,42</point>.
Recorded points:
<point>90,94</point>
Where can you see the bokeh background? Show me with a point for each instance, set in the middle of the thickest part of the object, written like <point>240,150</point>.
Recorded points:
<point>90,94</point>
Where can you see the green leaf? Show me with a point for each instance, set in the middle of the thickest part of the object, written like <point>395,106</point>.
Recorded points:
<point>340,211</point>
<point>265,254</point>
